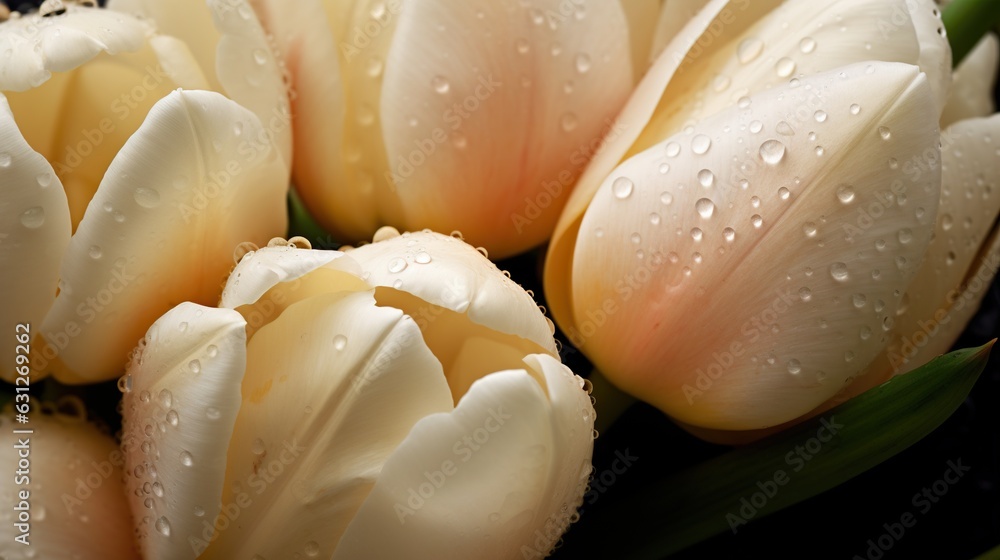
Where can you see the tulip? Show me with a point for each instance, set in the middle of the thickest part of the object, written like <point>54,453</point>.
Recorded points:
<point>780,214</point>
<point>403,400</point>
<point>474,116</point>
<point>123,196</point>
<point>69,497</point>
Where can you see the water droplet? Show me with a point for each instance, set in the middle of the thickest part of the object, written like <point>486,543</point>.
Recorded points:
<point>422,258</point>
<point>784,129</point>
<point>884,132</point>
<point>755,201</point>
<point>397,265</point>
<point>706,178</point>
<point>784,193</point>
<point>696,234</point>
<point>772,151</point>
<point>166,398</point>
<point>807,45</point>
<point>865,333</point>
<point>654,219</point>
<point>522,46</point>
<point>784,67</point>
<point>809,229</point>
<point>838,271</point>
<point>820,116</point>
<point>163,526</point>
<point>855,109</point>
<point>339,342</point>
<point>757,221</point>
<point>700,144</point>
<point>582,63</point>
<point>186,459</point>
<point>440,84</point>
<point>5,159</point>
<point>946,222</point>
<point>95,252</point>
<point>158,489</point>
<point>666,198</point>
<point>756,126</point>
<point>673,149</point>
<point>374,67</point>
<point>705,208</point>
<point>173,418</point>
<point>729,234</point>
<point>44,179</point>
<point>213,413</point>
<point>749,50</point>
<point>794,367</point>
<point>199,511</point>
<point>33,217</point>
<point>845,193</point>
<point>312,549</point>
<point>743,102</point>
<point>820,150</point>
<point>257,447</point>
<point>636,238</point>
<point>859,300</point>
<point>720,83</point>
<point>905,236</point>
<point>622,187</point>
<point>568,122</point>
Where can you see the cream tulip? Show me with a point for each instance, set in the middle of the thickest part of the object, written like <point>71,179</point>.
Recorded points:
<point>403,400</point>
<point>122,194</point>
<point>744,252</point>
<point>476,116</point>
<point>75,506</point>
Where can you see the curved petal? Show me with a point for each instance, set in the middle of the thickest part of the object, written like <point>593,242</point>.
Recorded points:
<point>182,395</point>
<point>500,477</point>
<point>232,50</point>
<point>332,386</point>
<point>674,15</point>
<point>935,51</point>
<point>971,93</point>
<point>34,234</point>
<point>782,257</point>
<point>642,17</point>
<point>38,46</point>
<point>473,317</point>
<point>627,126</point>
<point>179,191</point>
<point>509,101</point>
<point>960,262</point>
<point>77,503</point>
<point>319,104</point>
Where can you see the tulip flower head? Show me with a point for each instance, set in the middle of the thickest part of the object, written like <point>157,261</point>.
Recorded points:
<point>404,399</point>
<point>113,176</point>
<point>761,240</point>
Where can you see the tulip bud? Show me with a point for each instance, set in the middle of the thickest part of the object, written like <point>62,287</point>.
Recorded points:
<point>402,400</point>
<point>743,255</point>
<point>96,142</point>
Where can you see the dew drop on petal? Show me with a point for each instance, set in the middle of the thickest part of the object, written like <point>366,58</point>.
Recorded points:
<point>705,208</point>
<point>700,144</point>
<point>749,50</point>
<point>772,151</point>
<point>838,271</point>
<point>622,188</point>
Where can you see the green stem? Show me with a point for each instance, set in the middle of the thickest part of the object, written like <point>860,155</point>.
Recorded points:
<point>611,402</point>
<point>967,21</point>
<point>301,223</point>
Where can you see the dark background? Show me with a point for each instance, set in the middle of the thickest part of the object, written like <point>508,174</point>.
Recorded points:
<point>837,524</point>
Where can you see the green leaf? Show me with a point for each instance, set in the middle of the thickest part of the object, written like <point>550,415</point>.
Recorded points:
<point>691,506</point>
<point>967,21</point>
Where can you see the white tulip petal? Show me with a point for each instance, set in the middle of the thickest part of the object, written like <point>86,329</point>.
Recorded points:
<point>38,46</point>
<point>935,51</point>
<point>319,104</point>
<point>181,402</point>
<point>76,502</point>
<point>178,191</point>
<point>501,124</point>
<point>971,93</point>
<point>34,235</point>
<point>178,61</point>
<point>327,397</point>
<point>447,272</point>
<point>642,16</point>
<point>757,242</point>
<point>500,477</point>
<point>628,125</point>
<point>233,52</point>
<point>674,15</point>
<point>960,264</point>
